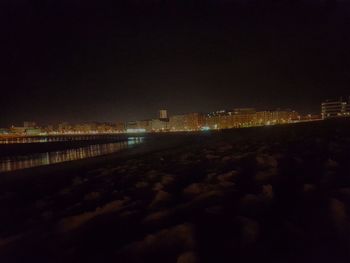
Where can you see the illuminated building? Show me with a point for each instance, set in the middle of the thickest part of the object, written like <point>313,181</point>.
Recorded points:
<point>131,130</point>
<point>120,127</point>
<point>275,117</point>
<point>212,122</point>
<point>139,125</point>
<point>163,114</point>
<point>222,119</point>
<point>295,116</point>
<point>247,117</point>
<point>177,122</point>
<point>18,130</point>
<point>263,117</point>
<point>144,125</point>
<point>64,127</point>
<point>86,128</point>
<point>230,119</point>
<point>131,125</point>
<point>334,109</point>
<point>242,117</point>
<point>194,121</point>
<point>104,128</point>
<point>32,131</point>
<point>4,131</point>
<point>284,116</point>
<point>310,117</point>
<point>217,120</point>
<point>186,122</point>
<point>81,128</point>
<point>49,128</point>
<point>218,113</point>
<point>159,125</point>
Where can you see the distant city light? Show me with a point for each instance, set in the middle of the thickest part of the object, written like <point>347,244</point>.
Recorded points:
<point>187,122</point>
<point>135,130</point>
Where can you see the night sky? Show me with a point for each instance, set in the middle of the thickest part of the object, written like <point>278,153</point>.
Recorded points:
<point>78,61</point>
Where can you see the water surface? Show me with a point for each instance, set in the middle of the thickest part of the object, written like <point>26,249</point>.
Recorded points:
<point>13,163</point>
<point>57,138</point>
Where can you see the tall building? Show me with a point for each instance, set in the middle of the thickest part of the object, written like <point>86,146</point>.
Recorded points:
<point>334,109</point>
<point>163,114</point>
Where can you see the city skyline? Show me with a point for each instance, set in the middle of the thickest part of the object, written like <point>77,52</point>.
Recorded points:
<point>125,60</point>
<point>155,115</point>
<point>328,108</point>
<point>190,121</point>
<point>165,122</point>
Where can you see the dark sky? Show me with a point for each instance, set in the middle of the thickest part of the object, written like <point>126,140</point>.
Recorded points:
<point>76,61</point>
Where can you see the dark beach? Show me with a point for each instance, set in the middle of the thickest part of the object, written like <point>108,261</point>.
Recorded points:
<point>275,193</point>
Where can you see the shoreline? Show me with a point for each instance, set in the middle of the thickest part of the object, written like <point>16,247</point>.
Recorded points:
<point>151,145</point>
<point>157,142</point>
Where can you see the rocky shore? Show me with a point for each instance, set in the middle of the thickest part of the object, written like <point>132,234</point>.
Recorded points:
<point>271,194</point>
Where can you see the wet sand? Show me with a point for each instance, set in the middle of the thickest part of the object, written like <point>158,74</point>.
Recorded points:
<point>277,194</point>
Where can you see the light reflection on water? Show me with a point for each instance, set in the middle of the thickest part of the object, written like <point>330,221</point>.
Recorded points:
<point>26,161</point>
<point>44,139</point>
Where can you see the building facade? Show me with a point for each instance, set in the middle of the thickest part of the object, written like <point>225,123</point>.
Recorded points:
<point>120,127</point>
<point>177,122</point>
<point>144,125</point>
<point>163,114</point>
<point>334,109</point>
<point>158,125</point>
<point>194,121</point>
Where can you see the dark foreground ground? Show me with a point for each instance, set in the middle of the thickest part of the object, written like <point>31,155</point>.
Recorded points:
<point>272,194</point>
